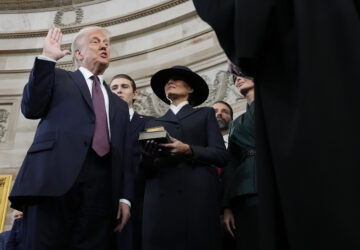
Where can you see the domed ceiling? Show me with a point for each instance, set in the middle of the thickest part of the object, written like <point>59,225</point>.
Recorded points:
<point>17,6</point>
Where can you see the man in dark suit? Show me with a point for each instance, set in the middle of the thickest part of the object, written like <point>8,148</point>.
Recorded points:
<point>224,117</point>
<point>124,86</point>
<point>76,178</point>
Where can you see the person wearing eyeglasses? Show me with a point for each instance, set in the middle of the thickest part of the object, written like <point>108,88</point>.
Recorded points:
<point>240,200</point>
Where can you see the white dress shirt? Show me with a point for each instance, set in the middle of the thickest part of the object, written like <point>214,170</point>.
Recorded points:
<point>131,113</point>
<point>176,109</point>
<point>87,75</point>
<point>226,140</point>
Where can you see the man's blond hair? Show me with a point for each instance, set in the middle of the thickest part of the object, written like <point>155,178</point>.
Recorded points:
<point>76,45</point>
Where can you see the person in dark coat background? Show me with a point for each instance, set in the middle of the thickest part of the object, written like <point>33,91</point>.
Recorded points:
<point>240,201</point>
<point>181,206</point>
<point>130,238</point>
<point>16,239</point>
<point>224,116</point>
<point>4,236</point>
<point>305,57</point>
<point>13,239</point>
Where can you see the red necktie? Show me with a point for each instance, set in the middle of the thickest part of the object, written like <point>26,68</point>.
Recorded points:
<point>100,142</point>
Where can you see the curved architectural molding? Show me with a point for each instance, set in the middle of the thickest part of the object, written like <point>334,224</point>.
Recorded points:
<point>114,38</point>
<point>105,23</point>
<point>69,65</point>
<point>79,14</point>
<point>15,6</point>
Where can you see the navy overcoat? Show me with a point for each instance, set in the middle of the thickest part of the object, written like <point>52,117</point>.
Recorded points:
<point>181,193</point>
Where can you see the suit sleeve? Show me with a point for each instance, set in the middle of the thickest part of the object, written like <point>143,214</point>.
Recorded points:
<point>38,91</point>
<point>228,175</point>
<point>215,152</point>
<point>128,168</point>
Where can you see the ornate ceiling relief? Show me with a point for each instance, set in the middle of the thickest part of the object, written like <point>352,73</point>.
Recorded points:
<point>74,16</point>
<point>16,6</point>
<point>75,27</point>
<point>4,115</point>
<point>9,109</point>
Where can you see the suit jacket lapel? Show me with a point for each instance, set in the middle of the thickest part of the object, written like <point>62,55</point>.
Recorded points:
<point>84,90</point>
<point>185,112</point>
<point>136,121</point>
<point>111,102</point>
<point>169,117</point>
<point>82,85</point>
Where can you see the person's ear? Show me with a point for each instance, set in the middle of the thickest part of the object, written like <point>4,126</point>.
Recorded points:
<point>78,55</point>
<point>136,93</point>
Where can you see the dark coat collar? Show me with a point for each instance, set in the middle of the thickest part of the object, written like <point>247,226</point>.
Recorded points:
<point>135,122</point>
<point>111,96</point>
<point>183,113</point>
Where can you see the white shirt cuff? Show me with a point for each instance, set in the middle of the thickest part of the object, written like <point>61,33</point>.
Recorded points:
<point>126,202</point>
<point>41,57</point>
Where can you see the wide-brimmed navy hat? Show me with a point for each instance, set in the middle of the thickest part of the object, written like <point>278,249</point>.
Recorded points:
<point>196,82</point>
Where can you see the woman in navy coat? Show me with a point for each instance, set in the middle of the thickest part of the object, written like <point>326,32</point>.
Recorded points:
<point>181,203</point>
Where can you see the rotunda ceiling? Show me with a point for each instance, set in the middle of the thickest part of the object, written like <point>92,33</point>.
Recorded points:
<point>18,6</point>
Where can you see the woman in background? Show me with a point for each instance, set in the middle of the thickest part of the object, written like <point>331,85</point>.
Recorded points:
<point>240,196</point>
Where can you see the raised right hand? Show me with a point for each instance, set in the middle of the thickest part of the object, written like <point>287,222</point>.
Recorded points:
<point>52,45</point>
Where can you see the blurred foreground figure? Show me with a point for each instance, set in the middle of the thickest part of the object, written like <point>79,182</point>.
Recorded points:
<point>305,57</point>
